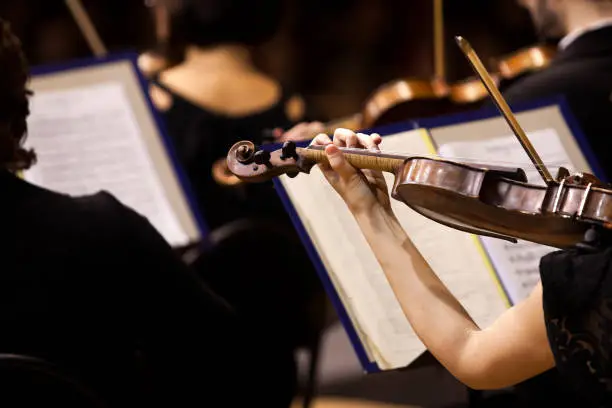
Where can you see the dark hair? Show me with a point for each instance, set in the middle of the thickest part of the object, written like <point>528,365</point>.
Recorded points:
<point>210,22</point>
<point>14,104</point>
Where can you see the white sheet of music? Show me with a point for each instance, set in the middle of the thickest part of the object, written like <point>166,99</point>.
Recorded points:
<point>455,256</point>
<point>516,264</point>
<point>87,139</point>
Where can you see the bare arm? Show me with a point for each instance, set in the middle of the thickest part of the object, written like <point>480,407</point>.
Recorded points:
<point>513,349</point>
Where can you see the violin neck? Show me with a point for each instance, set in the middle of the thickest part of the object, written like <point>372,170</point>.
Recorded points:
<point>358,158</point>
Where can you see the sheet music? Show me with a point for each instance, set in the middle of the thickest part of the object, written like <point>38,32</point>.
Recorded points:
<point>516,264</point>
<point>359,278</point>
<point>87,139</point>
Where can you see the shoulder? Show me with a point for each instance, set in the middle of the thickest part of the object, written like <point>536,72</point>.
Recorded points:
<point>113,221</point>
<point>96,222</point>
<point>51,203</point>
<point>572,78</point>
<point>535,85</point>
<point>124,233</point>
<point>228,94</point>
<point>100,216</point>
<point>112,214</point>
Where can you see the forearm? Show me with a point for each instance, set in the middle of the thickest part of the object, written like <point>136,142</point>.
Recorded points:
<point>437,317</point>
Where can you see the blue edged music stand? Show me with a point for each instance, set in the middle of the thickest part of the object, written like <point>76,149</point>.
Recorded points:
<point>430,124</point>
<point>148,113</point>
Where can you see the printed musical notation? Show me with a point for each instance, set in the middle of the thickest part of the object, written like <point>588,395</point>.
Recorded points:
<point>516,264</point>
<point>359,279</point>
<point>87,140</point>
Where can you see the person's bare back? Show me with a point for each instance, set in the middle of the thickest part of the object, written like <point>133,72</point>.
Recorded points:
<point>223,81</point>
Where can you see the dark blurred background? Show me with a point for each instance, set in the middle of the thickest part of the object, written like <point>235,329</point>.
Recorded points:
<point>334,52</point>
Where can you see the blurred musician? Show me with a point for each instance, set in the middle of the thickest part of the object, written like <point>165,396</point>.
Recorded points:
<point>582,69</point>
<point>214,98</point>
<point>89,284</point>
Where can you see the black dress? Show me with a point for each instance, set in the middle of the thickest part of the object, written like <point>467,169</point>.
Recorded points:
<point>262,269</point>
<point>578,313</point>
<point>201,137</point>
<point>90,285</point>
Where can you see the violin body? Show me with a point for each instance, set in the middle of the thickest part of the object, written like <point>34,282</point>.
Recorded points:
<point>526,60</point>
<point>494,202</point>
<point>509,68</point>
<point>480,199</point>
<point>470,90</point>
<point>405,98</point>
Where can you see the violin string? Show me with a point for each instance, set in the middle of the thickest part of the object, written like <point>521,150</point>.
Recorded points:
<point>526,163</point>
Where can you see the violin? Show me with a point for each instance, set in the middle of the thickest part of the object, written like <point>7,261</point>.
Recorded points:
<point>524,61</point>
<point>413,97</point>
<point>469,90</point>
<point>508,68</point>
<point>480,199</point>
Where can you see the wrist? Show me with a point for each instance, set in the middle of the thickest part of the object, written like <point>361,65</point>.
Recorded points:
<point>387,238</point>
<point>380,221</point>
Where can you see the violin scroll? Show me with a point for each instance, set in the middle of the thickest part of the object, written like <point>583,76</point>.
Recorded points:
<point>255,165</point>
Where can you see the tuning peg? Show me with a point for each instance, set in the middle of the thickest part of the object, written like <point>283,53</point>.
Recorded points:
<point>288,150</point>
<point>262,157</point>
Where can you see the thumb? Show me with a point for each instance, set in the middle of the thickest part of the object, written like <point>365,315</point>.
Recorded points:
<point>338,163</point>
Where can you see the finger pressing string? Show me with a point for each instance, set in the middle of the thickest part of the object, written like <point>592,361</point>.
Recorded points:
<point>368,142</point>
<point>321,140</point>
<point>338,163</point>
<point>351,140</point>
<point>377,139</point>
<point>342,137</point>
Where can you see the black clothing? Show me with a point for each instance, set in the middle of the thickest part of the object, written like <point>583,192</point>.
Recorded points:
<point>90,285</point>
<point>257,260</point>
<point>280,287</point>
<point>583,74</point>
<point>578,314</point>
<point>201,137</point>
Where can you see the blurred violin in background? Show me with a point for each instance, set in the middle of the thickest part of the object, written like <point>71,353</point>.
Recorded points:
<point>509,68</point>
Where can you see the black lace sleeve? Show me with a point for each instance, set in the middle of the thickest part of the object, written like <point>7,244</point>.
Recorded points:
<point>578,312</point>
